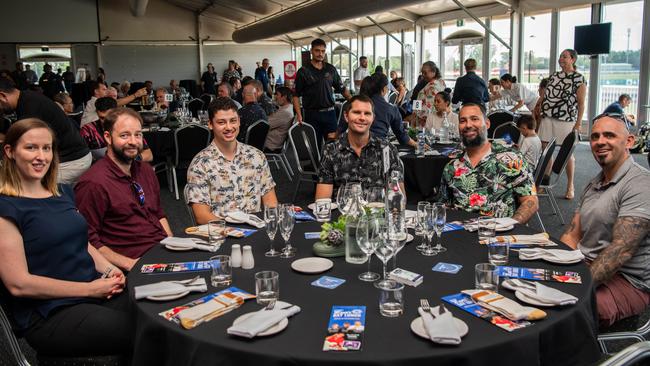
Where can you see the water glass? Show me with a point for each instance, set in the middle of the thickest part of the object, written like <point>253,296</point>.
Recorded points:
<point>486,229</point>
<point>391,300</point>
<point>267,287</point>
<point>368,237</point>
<point>498,253</point>
<point>420,223</point>
<point>486,277</point>
<point>375,201</point>
<point>323,209</point>
<point>216,232</point>
<point>221,270</point>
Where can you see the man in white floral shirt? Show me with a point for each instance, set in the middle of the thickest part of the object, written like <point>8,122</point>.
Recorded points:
<point>228,175</point>
<point>489,179</point>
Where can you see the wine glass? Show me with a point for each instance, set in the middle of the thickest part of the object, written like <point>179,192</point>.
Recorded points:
<point>384,251</point>
<point>343,198</point>
<point>429,229</point>
<point>271,219</point>
<point>286,218</point>
<point>368,237</point>
<point>396,234</point>
<point>420,224</point>
<point>376,201</point>
<point>440,220</point>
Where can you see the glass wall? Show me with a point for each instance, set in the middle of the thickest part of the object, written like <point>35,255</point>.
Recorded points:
<point>537,48</point>
<point>499,54</point>
<point>619,70</point>
<point>394,54</point>
<point>380,51</point>
<point>369,51</point>
<point>409,66</point>
<point>431,45</point>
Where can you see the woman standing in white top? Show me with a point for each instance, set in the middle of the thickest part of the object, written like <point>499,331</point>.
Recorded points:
<point>442,102</point>
<point>517,93</point>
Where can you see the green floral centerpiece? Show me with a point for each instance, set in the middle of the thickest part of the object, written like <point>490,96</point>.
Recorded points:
<point>332,239</point>
<point>413,133</point>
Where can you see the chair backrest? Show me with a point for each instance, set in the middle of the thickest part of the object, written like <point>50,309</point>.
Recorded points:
<point>256,134</point>
<point>302,138</point>
<point>407,96</point>
<point>9,347</point>
<point>338,120</point>
<point>190,86</point>
<point>187,206</point>
<point>189,140</point>
<point>508,128</point>
<point>544,160</point>
<point>392,97</point>
<point>195,105</point>
<point>497,118</point>
<point>207,99</point>
<point>566,149</point>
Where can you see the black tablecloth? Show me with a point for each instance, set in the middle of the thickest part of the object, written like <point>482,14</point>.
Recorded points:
<point>161,143</point>
<point>422,175</point>
<point>565,337</point>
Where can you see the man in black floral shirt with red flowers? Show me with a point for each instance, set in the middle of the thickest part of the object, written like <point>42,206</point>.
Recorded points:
<point>489,178</point>
<point>356,156</point>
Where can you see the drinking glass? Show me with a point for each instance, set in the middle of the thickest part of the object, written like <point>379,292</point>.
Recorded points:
<point>420,223</point>
<point>486,229</point>
<point>376,201</point>
<point>323,209</point>
<point>429,229</point>
<point>343,197</point>
<point>440,220</point>
<point>271,220</point>
<point>287,220</point>
<point>397,235</point>
<point>216,232</point>
<point>498,253</point>
<point>221,270</point>
<point>486,277</point>
<point>267,287</point>
<point>384,252</point>
<point>391,300</point>
<point>368,238</point>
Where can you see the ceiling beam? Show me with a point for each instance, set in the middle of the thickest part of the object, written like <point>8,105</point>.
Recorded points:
<point>405,14</point>
<point>349,26</point>
<point>512,4</point>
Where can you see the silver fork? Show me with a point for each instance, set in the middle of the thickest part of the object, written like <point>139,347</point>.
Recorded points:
<point>442,309</point>
<point>424,304</point>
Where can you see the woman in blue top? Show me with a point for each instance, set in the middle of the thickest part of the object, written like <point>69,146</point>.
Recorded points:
<point>55,298</point>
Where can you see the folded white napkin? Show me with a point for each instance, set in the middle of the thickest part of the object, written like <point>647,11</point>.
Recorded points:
<point>503,305</point>
<point>188,243</point>
<point>441,329</point>
<point>501,223</point>
<point>166,288</point>
<point>249,219</point>
<point>552,255</point>
<point>431,153</point>
<point>541,293</point>
<point>191,317</point>
<point>263,320</point>
<point>164,129</point>
<point>535,239</point>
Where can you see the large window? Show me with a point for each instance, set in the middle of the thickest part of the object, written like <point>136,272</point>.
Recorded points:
<point>619,70</point>
<point>569,19</point>
<point>456,55</point>
<point>409,66</point>
<point>395,54</point>
<point>37,57</point>
<point>369,51</point>
<point>431,45</point>
<point>380,51</point>
<point>537,49</point>
<point>499,54</point>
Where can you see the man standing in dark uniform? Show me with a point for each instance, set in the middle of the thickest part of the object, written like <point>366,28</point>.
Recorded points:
<point>314,83</point>
<point>209,81</point>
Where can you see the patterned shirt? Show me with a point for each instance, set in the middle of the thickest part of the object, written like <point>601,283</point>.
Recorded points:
<point>227,185</point>
<point>428,94</point>
<point>492,186</point>
<point>340,164</point>
<point>249,114</point>
<point>230,73</point>
<point>561,96</point>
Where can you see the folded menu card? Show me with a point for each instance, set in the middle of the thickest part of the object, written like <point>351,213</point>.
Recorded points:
<point>466,303</point>
<point>539,274</point>
<point>176,267</point>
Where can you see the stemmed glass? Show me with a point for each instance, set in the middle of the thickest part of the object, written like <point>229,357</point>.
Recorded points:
<point>271,219</point>
<point>384,251</point>
<point>375,201</point>
<point>286,218</point>
<point>368,237</point>
<point>420,222</point>
<point>396,236</point>
<point>439,225</point>
<point>429,229</point>
<point>343,197</point>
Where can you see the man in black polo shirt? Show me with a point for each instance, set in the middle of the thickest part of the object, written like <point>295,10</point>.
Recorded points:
<point>314,84</point>
<point>470,88</point>
<point>209,80</point>
<point>74,156</point>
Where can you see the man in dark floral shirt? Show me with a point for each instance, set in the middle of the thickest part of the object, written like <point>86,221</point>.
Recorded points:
<point>356,156</point>
<point>490,179</point>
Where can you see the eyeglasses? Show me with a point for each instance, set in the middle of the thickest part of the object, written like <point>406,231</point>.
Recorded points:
<point>617,116</point>
<point>139,192</point>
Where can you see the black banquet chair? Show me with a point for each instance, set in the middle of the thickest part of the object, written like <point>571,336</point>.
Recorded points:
<point>561,160</point>
<point>189,140</point>
<point>540,168</point>
<point>195,105</point>
<point>302,138</point>
<point>256,134</point>
<point>507,129</point>
<point>497,118</point>
<point>207,99</point>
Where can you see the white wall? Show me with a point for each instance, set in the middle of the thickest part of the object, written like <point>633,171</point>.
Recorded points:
<point>246,55</point>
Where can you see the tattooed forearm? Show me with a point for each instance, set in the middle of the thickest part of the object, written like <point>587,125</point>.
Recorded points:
<point>572,235</point>
<point>528,205</point>
<point>626,237</point>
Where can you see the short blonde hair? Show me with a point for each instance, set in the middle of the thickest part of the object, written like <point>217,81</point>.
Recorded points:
<point>10,184</point>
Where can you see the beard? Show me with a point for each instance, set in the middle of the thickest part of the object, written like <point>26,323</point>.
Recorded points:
<point>121,155</point>
<point>480,138</point>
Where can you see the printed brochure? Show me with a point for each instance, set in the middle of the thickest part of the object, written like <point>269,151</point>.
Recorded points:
<point>345,328</point>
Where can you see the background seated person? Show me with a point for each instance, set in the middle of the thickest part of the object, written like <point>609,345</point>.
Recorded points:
<point>225,90</point>
<point>120,197</point>
<point>619,106</point>
<point>490,179</point>
<point>612,224</point>
<point>93,133</point>
<point>442,104</point>
<point>251,111</point>
<point>356,156</point>
<point>531,145</point>
<point>280,121</point>
<point>228,175</point>
<point>52,290</point>
<point>162,104</point>
<point>65,102</point>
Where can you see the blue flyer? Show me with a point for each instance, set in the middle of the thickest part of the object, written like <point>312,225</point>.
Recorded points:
<point>465,302</point>
<point>176,267</point>
<point>328,282</point>
<point>539,274</point>
<point>451,227</point>
<point>447,267</point>
<point>345,328</point>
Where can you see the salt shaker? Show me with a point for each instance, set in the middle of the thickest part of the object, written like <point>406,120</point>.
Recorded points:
<point>248,261</point>
<point>235,256</point>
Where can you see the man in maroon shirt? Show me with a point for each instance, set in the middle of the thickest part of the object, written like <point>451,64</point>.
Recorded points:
<point>120,197</point>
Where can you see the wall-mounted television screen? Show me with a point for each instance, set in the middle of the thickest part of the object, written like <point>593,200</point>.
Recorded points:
<point>593,39</point>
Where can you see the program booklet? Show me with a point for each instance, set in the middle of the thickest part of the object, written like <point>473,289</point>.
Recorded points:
<point>466,303</point>
<point>539,274</point>
<point>176,267</point>
<point>172,314</point>
<point>345,328</point>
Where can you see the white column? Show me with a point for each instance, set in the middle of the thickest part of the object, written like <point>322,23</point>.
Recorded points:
<point>643,113</point>
<point>594,72</point>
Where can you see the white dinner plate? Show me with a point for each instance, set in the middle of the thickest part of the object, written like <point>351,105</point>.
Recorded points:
<point>501,229</point>
<point>417,326</point>
<point>531,301</point>
<point>230,220</point>
<point>168,297</point>
<point>312,206</point>
<point>409,238</point>
<point>177,248</point>
<point>312,265</point>
<point>278,327</point>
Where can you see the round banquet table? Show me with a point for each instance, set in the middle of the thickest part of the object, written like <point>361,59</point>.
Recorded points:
<point>566,337</point>
<point>422,174</point>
